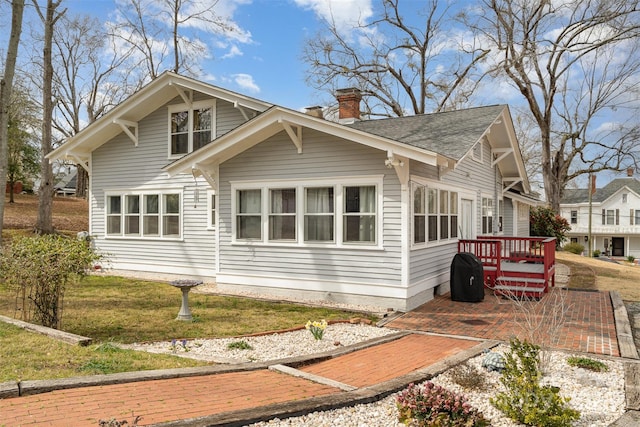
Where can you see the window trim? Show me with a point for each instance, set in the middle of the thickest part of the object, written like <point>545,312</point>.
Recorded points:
<point>212,209</point>
<point>174,108</point>
<point>417,182</point>
<point>338,184</point>
<point>141,194</point>
<point>479,146</point>
<point>573,216</point>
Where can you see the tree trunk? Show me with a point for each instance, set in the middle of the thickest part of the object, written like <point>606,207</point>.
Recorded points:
<point>6,86</point>
<point>82,182</point>
<point>45,192</point>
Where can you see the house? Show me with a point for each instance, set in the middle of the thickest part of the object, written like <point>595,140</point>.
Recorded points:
<point>66,186</point>
<point>615,216</point>
<point>190,179</point>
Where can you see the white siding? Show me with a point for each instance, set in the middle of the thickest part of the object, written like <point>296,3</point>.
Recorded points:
<point>323,156</point>
<point>120,166</point>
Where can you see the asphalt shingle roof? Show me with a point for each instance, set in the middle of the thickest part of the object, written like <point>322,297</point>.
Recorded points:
<point>581,195</point>
<point>451,133</point>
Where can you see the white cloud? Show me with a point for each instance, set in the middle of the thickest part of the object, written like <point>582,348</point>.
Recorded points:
<point>345,14</point>
<point>246,82</point>
<point>233,52</point>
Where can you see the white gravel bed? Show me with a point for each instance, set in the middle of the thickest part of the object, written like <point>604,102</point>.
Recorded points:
<point>268,347</point>
<point>598,396</point>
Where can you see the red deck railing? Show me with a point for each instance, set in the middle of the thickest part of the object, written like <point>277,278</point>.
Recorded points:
<point>494,250</point>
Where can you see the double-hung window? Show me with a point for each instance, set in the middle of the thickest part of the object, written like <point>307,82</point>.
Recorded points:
<point>359,214</point>
<point>190,128</point>
<point>574,217</point>
<point>319,214</point>
<point>487,215</point>
<point>308,213</point>
<point>249,214</point>
<point>435,214</point>
<point>144,215</point>
<point>282,214</point>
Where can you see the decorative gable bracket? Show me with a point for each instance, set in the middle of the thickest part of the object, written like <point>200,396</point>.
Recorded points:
<point>187,96</point>
<point>401,166</point>
<point>501,153</point>
<point>512,180</point>
<point>126,126</point>
<point>209,174</point>
<point>294,132</point>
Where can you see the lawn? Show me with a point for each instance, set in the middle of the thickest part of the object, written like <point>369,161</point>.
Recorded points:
<point>122,310</point>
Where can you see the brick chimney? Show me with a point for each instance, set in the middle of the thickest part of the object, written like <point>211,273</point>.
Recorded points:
<point>629,172</point>
<point>593,184</point>
<point>348,104</point>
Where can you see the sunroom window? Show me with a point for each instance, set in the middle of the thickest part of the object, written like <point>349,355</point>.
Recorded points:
<point>319,214</point>
<point>435,214</point>
<point>153,215</point>
<point>308,213</point>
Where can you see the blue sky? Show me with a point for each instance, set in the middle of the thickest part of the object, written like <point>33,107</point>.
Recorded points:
<point>265,62</point>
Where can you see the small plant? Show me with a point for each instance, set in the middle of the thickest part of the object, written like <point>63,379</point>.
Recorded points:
<point>432,405</point>
<point>317,328</point>
<point>239,345</point>
<point>596,253</point>
<point>631,258</point>
<point>587,363</point>
<point>468,376</point>
<point>525,400</point>
<point>574,248</point>
<point>174,346</point>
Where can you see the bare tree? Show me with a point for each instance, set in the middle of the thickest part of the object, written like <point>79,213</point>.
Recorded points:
<point>560,56</point>
<point>6,87</point>
<point>49,18</point>
<point>156,29</point>
<point>401,69</point>
<point>90,77</point>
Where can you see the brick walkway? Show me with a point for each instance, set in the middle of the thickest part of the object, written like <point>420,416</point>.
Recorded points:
<point>183,398</point>
<point>588,326</point>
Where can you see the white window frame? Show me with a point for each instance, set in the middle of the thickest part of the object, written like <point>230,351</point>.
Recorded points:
<point>141,194</point>
<point>493,230</point>
<point>211,103</point>
<point>338,184</point>
<point>416,182</point>
<point>212,209</point>
<point>573,216</point>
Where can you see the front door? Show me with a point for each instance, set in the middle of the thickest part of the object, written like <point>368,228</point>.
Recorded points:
<point>617,246</point>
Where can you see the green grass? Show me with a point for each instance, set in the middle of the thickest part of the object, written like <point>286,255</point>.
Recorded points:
<point>587,363</point>
<point>119,310</point>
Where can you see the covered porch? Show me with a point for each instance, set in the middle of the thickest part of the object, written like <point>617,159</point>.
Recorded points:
<point>518,266</point>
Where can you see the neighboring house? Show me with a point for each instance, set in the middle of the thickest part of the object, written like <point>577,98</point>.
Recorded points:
<point>615,216</point>
<point>191,179</point>
<point>67,184</point>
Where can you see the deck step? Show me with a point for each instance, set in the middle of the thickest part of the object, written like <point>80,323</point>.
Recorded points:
<point>526,281</point>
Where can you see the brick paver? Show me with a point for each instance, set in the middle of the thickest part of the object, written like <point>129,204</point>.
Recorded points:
<point>381,363</point>
<point>158,401</point>
<point>588,324</point>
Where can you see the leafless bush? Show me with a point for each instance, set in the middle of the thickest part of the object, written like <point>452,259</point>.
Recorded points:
<point>540,321</point>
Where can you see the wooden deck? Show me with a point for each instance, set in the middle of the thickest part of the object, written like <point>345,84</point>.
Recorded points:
<point>515,266</point>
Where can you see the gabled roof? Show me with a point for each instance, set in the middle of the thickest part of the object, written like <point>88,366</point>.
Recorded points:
<point>581,195</point>
<point>452,133</point>
<point>142,103</point>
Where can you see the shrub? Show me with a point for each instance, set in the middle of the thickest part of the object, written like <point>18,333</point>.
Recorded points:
<point>39,269</point>
<point>525,400</point>
<point>587,363</point>
<point>431,405</point>
<point>574,248</point>
<point>468,376</point>
<point>631,258</point>
<point>596,253</point>
<point>546,223</point>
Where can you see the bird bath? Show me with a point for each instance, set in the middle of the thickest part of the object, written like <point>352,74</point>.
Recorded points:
<point>185,286</point>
